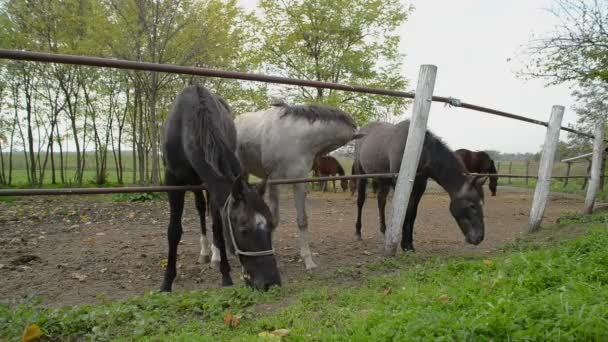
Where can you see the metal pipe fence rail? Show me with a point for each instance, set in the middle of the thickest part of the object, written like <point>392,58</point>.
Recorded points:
<point>135,189</point>
<point>178,69</point>
<point>165,188</point>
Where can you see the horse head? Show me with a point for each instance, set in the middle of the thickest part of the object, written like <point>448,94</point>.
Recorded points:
<point>248,231</point>
<point>467,208</point>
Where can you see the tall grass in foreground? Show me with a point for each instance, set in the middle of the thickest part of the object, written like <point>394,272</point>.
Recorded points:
<point>528,292</point>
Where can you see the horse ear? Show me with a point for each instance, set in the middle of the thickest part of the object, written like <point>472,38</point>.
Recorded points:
<point>261,189</point>
<point>237,188</point>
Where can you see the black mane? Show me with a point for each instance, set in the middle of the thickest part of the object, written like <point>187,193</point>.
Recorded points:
<point>316,112</point>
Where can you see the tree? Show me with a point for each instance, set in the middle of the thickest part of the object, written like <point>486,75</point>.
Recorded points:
<point>346,41</point>
<point>577,50</point>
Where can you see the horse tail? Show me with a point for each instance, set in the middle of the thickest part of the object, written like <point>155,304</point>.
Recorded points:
<point>493,179</point>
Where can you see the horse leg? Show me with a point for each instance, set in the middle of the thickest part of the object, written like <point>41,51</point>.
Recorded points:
<point>201,205</point>
<point>383,190</point>
<point>273,196</point>
<point>361,187</point>
<point>334,184</point>
<point>299,191</point>
<point>218,240</point>
<point>174,234</point>
<point>407,239</point>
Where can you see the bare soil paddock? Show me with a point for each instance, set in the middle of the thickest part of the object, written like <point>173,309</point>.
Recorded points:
<point>71,249</point>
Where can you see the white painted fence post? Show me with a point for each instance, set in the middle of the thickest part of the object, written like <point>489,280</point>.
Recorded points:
<point>543,185</point>
<point>411,156</point>
<point>596,167</point>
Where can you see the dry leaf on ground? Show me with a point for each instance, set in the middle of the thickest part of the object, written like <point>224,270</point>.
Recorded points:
<point>31,333</point>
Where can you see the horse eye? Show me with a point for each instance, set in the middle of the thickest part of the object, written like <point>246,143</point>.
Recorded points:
<point>472,206</point>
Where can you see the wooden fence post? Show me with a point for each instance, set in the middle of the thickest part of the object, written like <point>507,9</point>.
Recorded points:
<point>543,185</point>
<point>527,170</point>
<point>596,167</point>
<point>510,170</point>
<point>568,166</point>
<point>411,156</point>
<point>588,174</point>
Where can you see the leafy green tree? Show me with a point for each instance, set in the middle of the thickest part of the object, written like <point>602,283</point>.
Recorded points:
<point>345,41</point>
<point>577,49</point>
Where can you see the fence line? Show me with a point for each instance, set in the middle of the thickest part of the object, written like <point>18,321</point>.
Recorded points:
<point>164,188</point>
<point>178,69</point>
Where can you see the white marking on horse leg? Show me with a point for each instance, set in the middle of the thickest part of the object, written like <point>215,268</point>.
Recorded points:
<point>300,199</point>
<point>203,257</point>
<point>215,256</point>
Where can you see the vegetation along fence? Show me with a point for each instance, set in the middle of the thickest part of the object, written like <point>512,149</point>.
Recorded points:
<point>423,97</point>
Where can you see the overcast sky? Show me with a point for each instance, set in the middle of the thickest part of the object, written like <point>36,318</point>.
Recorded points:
<point>470,41</point>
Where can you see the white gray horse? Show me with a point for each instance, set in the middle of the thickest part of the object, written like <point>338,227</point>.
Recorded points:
<point>282,142</point>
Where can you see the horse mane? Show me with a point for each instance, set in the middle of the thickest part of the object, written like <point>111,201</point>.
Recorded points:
<point>438,150</point>
<point>208,135</point>
<point>315,112</point>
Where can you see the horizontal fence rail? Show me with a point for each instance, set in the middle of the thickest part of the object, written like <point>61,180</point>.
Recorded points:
<point>178,69</point>
<point>134,189</point>
<point>140,189</point>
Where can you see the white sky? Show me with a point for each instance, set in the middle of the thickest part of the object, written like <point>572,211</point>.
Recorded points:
<point>470,41</point>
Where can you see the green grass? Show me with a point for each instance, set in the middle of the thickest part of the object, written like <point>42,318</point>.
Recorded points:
<point>555,291</point>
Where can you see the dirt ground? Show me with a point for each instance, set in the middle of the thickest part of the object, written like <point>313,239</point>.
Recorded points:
<point>71,249</point>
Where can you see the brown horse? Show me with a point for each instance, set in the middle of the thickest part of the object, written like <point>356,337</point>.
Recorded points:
<point>479,162</point>
<point>328,166</point>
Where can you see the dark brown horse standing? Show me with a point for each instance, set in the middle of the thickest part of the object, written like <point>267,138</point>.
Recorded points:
<point>324,166</point>
<point>479,162</point>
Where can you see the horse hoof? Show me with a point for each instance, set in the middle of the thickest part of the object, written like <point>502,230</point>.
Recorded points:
<point>204,259</point>
<point>227,282</point>
<point>164,288</point>
<point>358,237</point>
<point>215,264</point>
<point>409,249</point>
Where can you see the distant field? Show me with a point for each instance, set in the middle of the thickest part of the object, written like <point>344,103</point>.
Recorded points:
<point>20,175</point>
<point>20,166</point>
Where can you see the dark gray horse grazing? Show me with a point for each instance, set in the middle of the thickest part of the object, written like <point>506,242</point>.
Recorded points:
<point>381,151</point>
<point>199,145</point>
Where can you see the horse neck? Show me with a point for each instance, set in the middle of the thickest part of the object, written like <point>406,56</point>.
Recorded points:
<point>445,168</point>
<point>219,190</point>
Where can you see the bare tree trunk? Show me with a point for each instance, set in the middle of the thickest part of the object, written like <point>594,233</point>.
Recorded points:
<point>11,147</point>
<point>61,165</point>
<point>25,156</point>
<point>27,87</point>
<point>154,130</point>
<point>140,146</point>
<point>53,176</point>
<point>2,173</point>
<point>72,108</point>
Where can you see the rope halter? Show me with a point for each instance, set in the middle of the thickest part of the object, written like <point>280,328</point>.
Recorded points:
<point>227,211</point>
